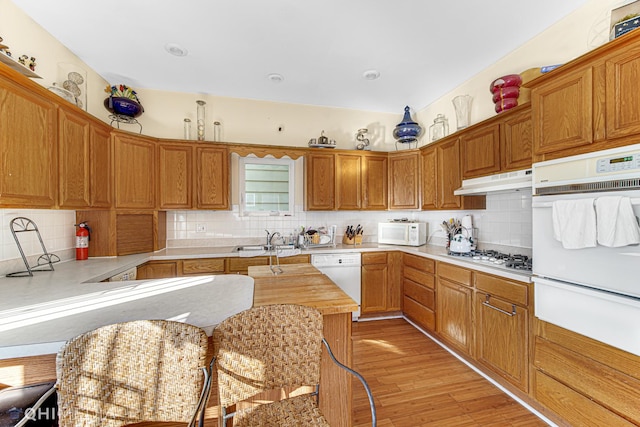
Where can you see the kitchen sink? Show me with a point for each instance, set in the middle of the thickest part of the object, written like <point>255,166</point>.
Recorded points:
<point>250,248</point>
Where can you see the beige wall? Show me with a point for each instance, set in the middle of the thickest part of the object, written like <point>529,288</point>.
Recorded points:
<point>251,121</point>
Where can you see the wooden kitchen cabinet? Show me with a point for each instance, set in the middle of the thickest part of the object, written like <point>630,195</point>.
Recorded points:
<point>404,180</point>
<point>134,171</point>
<point>381,285</point>
<point>622,86</point>
<point>100,165</point>
<point>480,151</point>
<point>502,328</point>
<point>348,181</point>
<point>440,172</point>
<point>175,176</point>
<point>320,181</point>
<point>375,181</point>
<point>212,178</point>
<point>516,140</point>
<point>361,181</point>
<point>28,144</point>
<point>419,290</point>
<point>454,306</point>
<point>157,270</point>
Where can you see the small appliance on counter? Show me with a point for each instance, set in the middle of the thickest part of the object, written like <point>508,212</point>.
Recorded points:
<point>405,233</point>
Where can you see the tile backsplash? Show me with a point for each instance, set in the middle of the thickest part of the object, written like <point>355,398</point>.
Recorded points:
<point>505,222</point>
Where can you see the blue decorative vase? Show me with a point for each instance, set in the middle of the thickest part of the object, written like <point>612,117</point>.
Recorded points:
<point>123,106</point>
<point>407,131</point>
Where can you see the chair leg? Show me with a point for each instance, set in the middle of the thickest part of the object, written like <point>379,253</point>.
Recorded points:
<point>374,421</point>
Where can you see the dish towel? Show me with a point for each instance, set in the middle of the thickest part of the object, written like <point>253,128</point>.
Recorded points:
<point>617,224</point>
<point>574,223</point>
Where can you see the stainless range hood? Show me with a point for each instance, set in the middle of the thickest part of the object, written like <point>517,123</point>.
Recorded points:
<point>507,181</point>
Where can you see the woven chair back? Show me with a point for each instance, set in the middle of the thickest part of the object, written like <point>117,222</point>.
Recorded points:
<point>130,372</point>
<point>266,348</point>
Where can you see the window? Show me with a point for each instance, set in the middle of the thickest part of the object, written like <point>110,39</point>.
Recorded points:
<point>266,186</point>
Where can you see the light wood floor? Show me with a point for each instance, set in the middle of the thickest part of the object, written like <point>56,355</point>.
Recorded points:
<point>415,382</point>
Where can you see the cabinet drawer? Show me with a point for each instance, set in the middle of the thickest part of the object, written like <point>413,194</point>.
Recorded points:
<point>419,293</point>
<point>420,263</point>
<point>203,266</point>
<point>454,273</point>
<point>420,277</point>
<point>506,289</point>
<point>295,259</point>
<point>422,315</point>
<point>374,258</point>
<point>572,406</point>
<point>241,265</point>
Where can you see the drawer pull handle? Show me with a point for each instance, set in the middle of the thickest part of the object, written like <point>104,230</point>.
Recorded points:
<point>488,304</point>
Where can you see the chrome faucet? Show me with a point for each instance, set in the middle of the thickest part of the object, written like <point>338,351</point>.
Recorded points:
<point>270,237</point>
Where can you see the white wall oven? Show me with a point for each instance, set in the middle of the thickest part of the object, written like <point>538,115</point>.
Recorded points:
<point>586,244</point>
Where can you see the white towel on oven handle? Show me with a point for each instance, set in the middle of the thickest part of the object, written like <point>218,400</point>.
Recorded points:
<point>574,223</point>
<point>616,222</point>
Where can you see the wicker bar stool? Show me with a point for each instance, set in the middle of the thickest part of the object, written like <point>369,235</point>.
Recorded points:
<point>271,348</point>
<point>146,370</point>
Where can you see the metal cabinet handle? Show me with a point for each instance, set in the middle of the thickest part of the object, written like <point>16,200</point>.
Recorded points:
<point>488,304</point>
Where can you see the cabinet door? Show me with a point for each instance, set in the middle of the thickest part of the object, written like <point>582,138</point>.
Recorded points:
<point>134,171</point>
<point>374,288</point>
<point>212,178</point>
<point>622,86</point>
<point>157,270</point>
<point>175,174</point>
<point>375,194</point>
<point>320,178</point>
<point>453,311</point>
<point>404,181</point>
<point>348,181</point>
<point>480,151</point>
<point>73,154</point>
<point>562,112</point>
<point>429,176</point>
<point>28,153</point>
<point>502,338</point>
<point>449,177</point>
<point>100,164</point>
<point>517,141</point>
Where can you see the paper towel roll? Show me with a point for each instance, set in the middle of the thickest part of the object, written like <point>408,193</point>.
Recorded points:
<point>467,222</point>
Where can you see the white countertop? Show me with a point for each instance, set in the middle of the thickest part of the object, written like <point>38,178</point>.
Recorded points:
<point>77,301</point>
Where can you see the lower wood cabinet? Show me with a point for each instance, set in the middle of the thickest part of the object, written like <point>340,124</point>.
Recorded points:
<point>419,290</point>
<point>502,328</point>
<point>586,382</point>
<point>454,305</point>
<point>381,286</point>
<point>157,270</point>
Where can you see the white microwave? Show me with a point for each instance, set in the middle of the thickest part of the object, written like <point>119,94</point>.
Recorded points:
<point>402,233</point>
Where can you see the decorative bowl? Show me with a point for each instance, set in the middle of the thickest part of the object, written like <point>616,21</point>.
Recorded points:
<point>123,106</point>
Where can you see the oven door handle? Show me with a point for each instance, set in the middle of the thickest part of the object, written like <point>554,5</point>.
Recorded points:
<point>488,304</point>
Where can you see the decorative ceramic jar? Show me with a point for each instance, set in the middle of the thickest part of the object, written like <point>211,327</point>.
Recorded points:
<point>407,131</point>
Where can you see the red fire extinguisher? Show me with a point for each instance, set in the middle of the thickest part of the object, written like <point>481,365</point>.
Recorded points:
<point>83,235</point>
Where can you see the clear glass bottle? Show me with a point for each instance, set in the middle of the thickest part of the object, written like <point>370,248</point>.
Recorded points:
<point>439,129</point>
<point>217,131</point>
<point>187,128</point>
<point>462,104</point>
<point>200,120</point>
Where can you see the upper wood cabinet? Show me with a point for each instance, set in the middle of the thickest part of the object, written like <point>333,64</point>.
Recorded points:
<point>212,178</point>
<point>404,180</point>
<point>74,169</point>
<point>320,181</point>
<point>100,165</point>
<point>516,141</point>
<point>28,146</point>
<point>622,86</point>
<point>175,176</point>
<point>480,151</point>
<point>562,112</point>
<point>134,171</point>
<point>361,181</point>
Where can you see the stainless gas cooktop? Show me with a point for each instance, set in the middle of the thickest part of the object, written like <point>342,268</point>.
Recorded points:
<point>510,261</point>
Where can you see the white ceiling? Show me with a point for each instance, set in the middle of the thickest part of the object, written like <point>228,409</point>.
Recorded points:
<point>422,48</point>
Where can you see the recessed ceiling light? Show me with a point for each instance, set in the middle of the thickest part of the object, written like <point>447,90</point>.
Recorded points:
<point>175,49</point>
<point>371,74</point>
<point>275,77</point>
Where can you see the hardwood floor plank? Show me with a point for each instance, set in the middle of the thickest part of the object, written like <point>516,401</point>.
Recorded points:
<point>415,383</point>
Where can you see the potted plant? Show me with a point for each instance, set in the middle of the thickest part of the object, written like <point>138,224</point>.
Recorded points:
<point>123,101</point>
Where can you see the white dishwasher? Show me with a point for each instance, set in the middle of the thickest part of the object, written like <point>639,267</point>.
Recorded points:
<point>344,270</point>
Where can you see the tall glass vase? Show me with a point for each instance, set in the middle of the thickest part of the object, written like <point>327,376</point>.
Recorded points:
<point>462,104</point>
<point>200,120</point>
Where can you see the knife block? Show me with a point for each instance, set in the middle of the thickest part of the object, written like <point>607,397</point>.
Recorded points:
<point>356,240</point>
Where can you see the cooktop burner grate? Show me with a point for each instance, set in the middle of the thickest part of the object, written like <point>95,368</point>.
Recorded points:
<point>514,261</point>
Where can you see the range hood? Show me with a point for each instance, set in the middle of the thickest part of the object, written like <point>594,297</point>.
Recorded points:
<point>507,181</point>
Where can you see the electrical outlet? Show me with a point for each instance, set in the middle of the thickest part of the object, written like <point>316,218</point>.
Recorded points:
<point>201,228</point>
